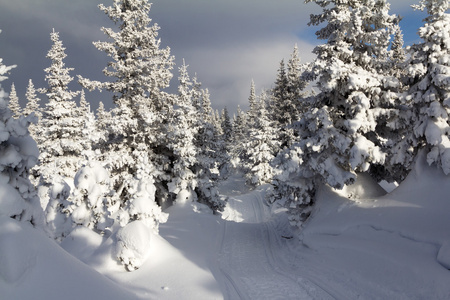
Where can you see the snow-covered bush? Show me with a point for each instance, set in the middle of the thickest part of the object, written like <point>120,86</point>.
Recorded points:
<point>18,154</point>
<point>88,198</point>
<point>133,244</point>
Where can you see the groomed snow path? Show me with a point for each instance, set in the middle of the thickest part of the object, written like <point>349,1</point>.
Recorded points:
<point>248,263</point>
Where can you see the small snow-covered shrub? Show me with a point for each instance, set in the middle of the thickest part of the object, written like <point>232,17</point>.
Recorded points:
<point>133,244</point>
<point>18,154</point>
<point>88,199</point>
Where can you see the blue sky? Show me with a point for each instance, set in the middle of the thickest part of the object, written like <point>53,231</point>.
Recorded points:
<point>226,42</point>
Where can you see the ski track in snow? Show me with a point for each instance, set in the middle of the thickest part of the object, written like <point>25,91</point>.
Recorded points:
<point>247,265</point>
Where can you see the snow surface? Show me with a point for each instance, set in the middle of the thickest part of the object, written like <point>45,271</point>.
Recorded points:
<point>357,245</point>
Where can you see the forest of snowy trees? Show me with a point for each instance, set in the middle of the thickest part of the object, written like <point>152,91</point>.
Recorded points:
<point>366,104</point>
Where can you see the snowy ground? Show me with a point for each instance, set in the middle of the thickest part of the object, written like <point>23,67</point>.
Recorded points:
<point>395,246</point>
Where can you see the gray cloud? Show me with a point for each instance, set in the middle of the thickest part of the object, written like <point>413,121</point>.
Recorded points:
<point>226,42</point>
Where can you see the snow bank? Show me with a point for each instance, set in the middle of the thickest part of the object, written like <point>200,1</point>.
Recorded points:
<point>11,203</point>
<point>393,246</point>
<point>32,266</point>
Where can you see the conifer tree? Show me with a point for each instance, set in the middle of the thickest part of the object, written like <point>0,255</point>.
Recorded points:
<point>430,89</point>
<point>58,137</point>
<point>59,124</point>
<point>182,132</point>
<point>395,127</point>
<point>339,135</point>
<point>252,104</point>
<point>13,103</point>
<point>19,153</point>
<point>288,92</point>
<point>89,134</point>
<point>227,127</point>
<point>280,94</point>
<point>261,149</point>
<point>102,126</point>
<point>239,136</point>
<point>138,154</point>
<point>211,156</point>
<point>32,101</point>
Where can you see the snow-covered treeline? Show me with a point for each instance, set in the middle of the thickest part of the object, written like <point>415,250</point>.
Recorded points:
<point>114,171</point>
<point>366,104</point>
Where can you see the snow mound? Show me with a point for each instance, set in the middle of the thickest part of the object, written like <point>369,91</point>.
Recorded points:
<point>15,259</point>
<point>32,266</point>
<point>11,203</point>
<point>444,255</point>
<point>133,244</point>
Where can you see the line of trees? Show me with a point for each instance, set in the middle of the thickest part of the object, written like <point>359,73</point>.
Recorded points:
<point>376,105</point>
<point>108,170</point>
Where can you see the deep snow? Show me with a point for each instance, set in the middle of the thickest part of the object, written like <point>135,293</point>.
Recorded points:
<point>358,244</point>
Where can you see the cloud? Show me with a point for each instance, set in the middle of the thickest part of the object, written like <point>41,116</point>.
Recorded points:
<point>226,42</point>
<point>227,70</point>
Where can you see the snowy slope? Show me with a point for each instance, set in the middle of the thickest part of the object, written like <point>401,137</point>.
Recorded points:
<point>34,267</point>
<point>367,246</point>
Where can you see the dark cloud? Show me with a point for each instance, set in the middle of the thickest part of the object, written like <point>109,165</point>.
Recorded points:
<point>226,42</point>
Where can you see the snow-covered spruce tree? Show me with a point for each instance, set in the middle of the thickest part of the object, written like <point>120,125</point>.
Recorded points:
<point>279,96</point>
<point>32,105</point>
<point>286,103</point>
<point>430,83</point>
<point>13,103</point>
<point>89,132</point>
<point>59,136</point>
<point>241,129</point>
<point>339,135</point>
<point>18,152</point>
<point>395,128</point>
<point>227,126</point>
<point>137,153</point>
<point>252,104</point>
<point>210,156</point>
<point>238,137</point>
<point>182,129</point>
<point>261,148</point>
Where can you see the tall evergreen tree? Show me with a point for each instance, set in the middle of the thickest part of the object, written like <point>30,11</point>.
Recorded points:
<point>280,94</point>
<point>19,153</point>
<point>339,136</point>
<point>59,124</point>
<point>138,154</point>
<point>210,156</point>
<point>13,103</point>
<point>261,149</point>
<point>102,126</point>
<point>58,140</point>
<point>287,94</point>
<point>430,89</point>
<point>32,101</point>
<point>183,129</point>
<point>238,138</point>
<point>227,126</point>
<point>252,104</point>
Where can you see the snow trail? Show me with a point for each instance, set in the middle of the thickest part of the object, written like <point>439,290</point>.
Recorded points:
<point>246,264</point>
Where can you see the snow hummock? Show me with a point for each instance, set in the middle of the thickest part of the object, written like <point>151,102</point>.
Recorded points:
<point>133,243</point>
